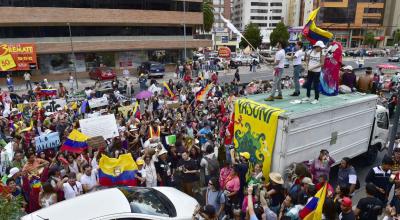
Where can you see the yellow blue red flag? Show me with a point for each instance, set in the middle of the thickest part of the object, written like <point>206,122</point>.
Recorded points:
<point>313,208</point>
<point>76,142</point>
<point>119,171</point>
<point>314,33</point>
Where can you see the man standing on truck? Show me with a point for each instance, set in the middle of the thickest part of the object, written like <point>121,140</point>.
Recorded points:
<point>297,67</point>
<point>365,82</point>
<point>315,61</point>
<point>278,72</point>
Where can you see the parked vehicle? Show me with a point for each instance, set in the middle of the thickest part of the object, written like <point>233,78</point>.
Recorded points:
<point>394,58</point>
<point>102,73</point>
<point>348,125</point>
<point>242,59</point>
<point>122,203</point>
<point>152,69</point>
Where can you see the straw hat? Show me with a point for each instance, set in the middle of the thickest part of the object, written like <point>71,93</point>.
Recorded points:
<point>276,178</point>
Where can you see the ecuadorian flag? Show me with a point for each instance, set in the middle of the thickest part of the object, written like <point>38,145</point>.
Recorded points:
<point>201,95</point>
<point>313,209</point>
<point>76,142</point>
<point>117,171</point>
<point>136,111</point>
<point>48,92</point>
<point>314,33</point>
<point>167,90</point>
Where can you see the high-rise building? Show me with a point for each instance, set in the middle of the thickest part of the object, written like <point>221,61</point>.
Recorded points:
<point>307,6</point>
<point>113,33</point>
<point>293,12</point>
<point>265,13</point>
<point>350,20</point>
<point>391,19</point>
<point>220,32</point>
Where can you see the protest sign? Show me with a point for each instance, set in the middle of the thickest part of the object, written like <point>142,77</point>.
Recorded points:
<point>47,141</point>
<point>52,105</point>
<point>94,103</point>
<point>172,104</point>
<point>104,125</point>
<point>170,140</point>
<point>97,142</point>
<point>125,109</point>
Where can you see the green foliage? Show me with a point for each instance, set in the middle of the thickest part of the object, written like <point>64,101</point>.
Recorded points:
<point>280,33</point>
<point>396,36</point>
<point>208,15</point>
<point>369,39</point>
<point>253,34</point>
<point>10,209</point>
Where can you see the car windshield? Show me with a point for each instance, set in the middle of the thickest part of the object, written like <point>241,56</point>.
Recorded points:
<point>148,201</point>
<point>156,65</point>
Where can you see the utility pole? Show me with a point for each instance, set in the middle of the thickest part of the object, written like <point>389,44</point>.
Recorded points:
<point>73,58</point>
<point>184,26</point>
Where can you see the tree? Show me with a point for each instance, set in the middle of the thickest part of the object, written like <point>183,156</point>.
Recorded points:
<point>396,36</point>
<point>10,208</point>
<point>369,39</point>
<point>280,33</point>
<point>208,15</point>
<point>253,34</point>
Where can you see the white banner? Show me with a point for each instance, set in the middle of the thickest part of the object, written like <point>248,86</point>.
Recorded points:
<point>52,105</point>
<point>104,125</point>
<point>94,103</point>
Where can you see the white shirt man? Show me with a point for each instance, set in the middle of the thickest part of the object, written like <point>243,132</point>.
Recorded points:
<point>72,191</point>
<point>89,182</point>
<point>280,56</point>
<point>298,56</point>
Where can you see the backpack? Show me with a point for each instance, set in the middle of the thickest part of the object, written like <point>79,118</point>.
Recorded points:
<point>212,166</point>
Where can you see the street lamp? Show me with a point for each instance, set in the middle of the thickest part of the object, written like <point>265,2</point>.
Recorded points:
<point>72,54</point>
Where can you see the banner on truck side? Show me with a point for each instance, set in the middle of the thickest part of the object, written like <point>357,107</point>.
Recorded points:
<point>255,130</point>
<point>104,125</point>
<point>47,141</point>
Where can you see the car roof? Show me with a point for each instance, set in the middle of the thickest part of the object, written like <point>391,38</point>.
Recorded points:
<point>105,202</point>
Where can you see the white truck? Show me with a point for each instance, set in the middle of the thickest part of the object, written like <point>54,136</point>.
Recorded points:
<point>346,125</point>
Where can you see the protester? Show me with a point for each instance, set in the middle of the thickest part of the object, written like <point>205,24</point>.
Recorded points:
<point>315,60</point>
<point>349,78</point>
<point>369,208</point>
<point>321,165</point>
<point>366,83</point>
<point>347,176</point>
<point>278,71</point>
<point>380,177</point>
<point>297,67</point>
<point>347,212</point>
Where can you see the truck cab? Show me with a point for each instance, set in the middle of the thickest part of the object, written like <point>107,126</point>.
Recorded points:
<point>379,134</point>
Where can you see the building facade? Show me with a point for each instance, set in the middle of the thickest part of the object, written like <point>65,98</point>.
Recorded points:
<point>265,13</point>
<point>391,20</point>
<point>293,12</point>
<point>221,35</point>
<point>350,20</point>
<point>114,33</point>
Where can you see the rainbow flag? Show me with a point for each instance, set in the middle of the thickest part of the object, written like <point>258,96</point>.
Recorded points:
<point>313,208</point>
<point>201,95</point>
<point>35,183</point>
<point>48,92</point>
<point>314,33</point>
<point>76,142</point>
<point>167,90</point>
<point>117,171</point>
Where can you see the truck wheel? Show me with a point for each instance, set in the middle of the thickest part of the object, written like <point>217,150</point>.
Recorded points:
<point>371,155</point>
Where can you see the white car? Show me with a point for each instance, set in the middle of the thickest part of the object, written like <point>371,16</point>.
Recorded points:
<point>244,59</point>
<point>122,203</point>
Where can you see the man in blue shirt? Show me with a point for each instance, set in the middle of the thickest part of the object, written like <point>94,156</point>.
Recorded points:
<point>203,134</point>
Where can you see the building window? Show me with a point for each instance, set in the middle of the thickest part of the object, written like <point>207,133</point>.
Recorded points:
<point>259,4</point>
<point>259,17</point>
<point>372,21</point>
<point>258,11</point>
<point>276,10</point>
<point>373,10</point>
<point>261,24</point>
<point>62,31</point>
<point>109,4</point>
<point>276,18</point>
<point>276,4</point>
<point>272,24</point>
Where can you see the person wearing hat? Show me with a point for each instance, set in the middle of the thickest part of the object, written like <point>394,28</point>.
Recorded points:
<point>275,191</point>
<point>314,63</point>
<point>278,71</point>
<point>347,209</point>
<point>140,172</point>
<point>366,82</point>
<point>349,78</point>
<point>164,169</point>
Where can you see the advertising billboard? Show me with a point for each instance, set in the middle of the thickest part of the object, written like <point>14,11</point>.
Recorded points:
<point>18,56</point>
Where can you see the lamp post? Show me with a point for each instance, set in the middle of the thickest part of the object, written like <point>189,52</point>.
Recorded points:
<point>72,54</point>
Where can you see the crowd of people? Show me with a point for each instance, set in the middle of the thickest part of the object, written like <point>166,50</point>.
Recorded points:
<point>202,162</point>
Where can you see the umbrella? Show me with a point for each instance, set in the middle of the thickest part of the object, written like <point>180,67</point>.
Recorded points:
<point>388,66</point>
<point>145,94</point>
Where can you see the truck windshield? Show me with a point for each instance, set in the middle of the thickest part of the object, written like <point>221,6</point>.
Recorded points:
<point>148,201</point>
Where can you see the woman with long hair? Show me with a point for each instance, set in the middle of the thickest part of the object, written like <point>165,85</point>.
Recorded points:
<point>47,196</point>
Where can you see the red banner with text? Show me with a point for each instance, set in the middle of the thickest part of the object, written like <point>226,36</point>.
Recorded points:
<point>16,57</point>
